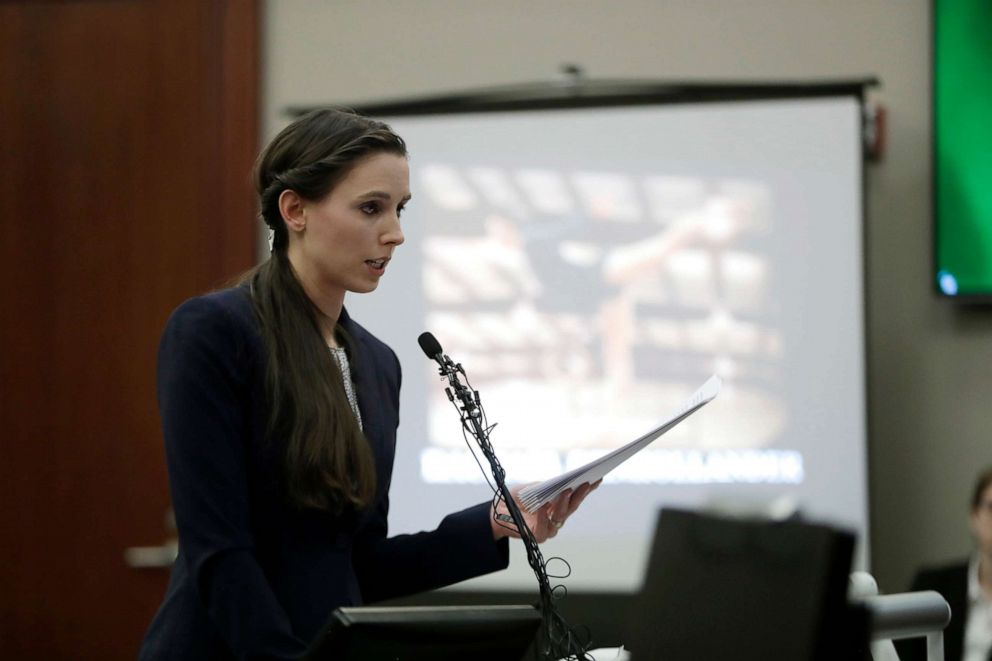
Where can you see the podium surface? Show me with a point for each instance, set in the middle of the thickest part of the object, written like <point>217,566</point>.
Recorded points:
<point>427,633</point>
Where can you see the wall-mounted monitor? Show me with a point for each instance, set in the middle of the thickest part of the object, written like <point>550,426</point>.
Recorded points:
<point>962,160</point>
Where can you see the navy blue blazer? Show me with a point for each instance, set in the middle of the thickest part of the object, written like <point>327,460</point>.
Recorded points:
<point>255,577</point>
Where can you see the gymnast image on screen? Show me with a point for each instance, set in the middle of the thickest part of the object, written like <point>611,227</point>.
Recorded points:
<point>279,414</point>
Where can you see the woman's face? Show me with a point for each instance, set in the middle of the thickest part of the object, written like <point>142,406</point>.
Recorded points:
<point>981,522</point>
<point>349,235</point>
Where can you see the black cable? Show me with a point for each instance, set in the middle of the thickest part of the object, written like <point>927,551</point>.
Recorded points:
<point>557,639</point>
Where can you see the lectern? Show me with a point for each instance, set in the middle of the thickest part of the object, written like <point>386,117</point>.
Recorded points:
<point>418,633</point>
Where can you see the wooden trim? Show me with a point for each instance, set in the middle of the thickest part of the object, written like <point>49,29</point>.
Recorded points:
<point>239,126</point>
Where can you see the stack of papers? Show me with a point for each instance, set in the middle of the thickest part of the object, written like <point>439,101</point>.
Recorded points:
<point>536,495</point>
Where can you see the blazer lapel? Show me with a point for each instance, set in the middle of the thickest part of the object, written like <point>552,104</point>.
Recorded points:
<point>366,383</point>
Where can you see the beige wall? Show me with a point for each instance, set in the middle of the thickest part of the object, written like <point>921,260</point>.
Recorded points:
<point>929,362</point>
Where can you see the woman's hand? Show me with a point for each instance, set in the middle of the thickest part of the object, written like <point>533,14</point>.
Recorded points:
<point>546,521</point>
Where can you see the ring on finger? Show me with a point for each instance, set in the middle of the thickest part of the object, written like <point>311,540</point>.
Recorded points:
<point>555,523</point>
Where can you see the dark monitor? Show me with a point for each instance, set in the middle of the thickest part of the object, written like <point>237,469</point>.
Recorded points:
<point>420,633</point>
<point>745,589</point>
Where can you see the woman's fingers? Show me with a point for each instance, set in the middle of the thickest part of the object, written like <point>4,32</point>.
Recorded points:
<point>580,495</point>
<point>549,519</point>
<point>560,509</point>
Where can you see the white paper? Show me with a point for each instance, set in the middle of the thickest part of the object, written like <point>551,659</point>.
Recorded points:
<point>536,495</point>
<point>609,654</point>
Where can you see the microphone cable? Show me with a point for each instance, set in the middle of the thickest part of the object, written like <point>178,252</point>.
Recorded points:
<point>557,640</point>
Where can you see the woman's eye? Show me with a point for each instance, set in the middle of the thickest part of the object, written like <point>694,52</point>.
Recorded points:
<point>400,210</point>
<point>370,208</point>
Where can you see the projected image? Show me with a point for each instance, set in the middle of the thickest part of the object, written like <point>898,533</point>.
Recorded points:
<point>584,301</point>
<point>591,268</point>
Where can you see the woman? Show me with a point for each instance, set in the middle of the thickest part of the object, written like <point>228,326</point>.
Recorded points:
<point>279,414</point>
<point>967,587</point>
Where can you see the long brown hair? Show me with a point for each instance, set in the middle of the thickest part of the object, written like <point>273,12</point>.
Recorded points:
<point>328,461</point>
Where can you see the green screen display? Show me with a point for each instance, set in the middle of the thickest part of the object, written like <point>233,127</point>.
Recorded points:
<point>963,146</point>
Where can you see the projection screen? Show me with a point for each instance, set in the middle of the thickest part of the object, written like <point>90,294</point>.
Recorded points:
<point>590,268</point>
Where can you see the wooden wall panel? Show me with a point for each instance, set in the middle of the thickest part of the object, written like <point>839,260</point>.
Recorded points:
<point>127,132</point>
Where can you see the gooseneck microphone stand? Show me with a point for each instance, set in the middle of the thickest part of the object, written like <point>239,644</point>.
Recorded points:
<point>557,639</point>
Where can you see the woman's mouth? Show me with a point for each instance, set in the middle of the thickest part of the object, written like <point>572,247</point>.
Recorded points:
<point>377,266</point>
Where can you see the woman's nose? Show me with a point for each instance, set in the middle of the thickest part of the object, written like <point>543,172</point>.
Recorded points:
<point>393,234</point>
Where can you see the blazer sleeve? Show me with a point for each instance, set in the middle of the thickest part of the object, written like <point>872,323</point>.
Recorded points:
<point>461,547</point>
<point>203,395</point>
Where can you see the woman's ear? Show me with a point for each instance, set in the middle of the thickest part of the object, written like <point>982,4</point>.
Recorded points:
<point>291,208</point>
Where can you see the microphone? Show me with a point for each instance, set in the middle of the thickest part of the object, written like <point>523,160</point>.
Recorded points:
<point>557,639</point>
<point>449,370</point>
<point>431,347</point>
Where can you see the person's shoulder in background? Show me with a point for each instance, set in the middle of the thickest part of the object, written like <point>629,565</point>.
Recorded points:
<point>951,581</point>
<point>934,577</point>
